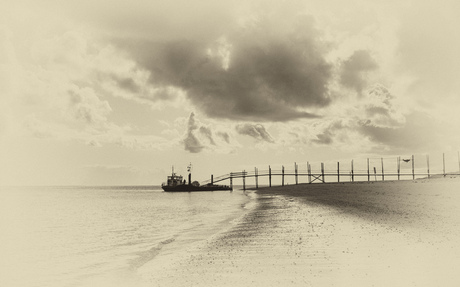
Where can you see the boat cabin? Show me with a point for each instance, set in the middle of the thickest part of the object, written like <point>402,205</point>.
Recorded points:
<point>174,180</point>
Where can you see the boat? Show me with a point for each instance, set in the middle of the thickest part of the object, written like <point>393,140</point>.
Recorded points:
<point>177,183</point>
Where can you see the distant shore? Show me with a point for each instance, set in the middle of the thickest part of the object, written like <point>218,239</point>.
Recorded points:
<point>392,233</point>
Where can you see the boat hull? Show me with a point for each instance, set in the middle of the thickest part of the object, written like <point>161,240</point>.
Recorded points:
<point>191,188</point>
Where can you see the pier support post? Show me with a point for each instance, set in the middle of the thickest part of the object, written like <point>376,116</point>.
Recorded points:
<point>368,173</point>
<point>375,174</point>
<point>244,180</point>
<point>282,175</point>
<point>309,172</point>
<point>413,168</point>
<point>322,172</point>
<point>428,165</point>
<point>383,172</point>
<point>398,165</point>
<point>231,181</point>
<point>212,179</point>
<point>257,177</point>
<point>338,171</point>
<point>352,172</point>
<point>443,165</point>
<point>269,176</point>
<point>296,174</point>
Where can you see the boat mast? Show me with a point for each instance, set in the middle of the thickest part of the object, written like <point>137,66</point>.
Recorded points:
<point>189,169</point>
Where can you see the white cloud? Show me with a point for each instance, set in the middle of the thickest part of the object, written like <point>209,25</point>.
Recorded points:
<point>210,137</point>
<point>354,70</point>
<point>85,106</point>
<point>256,131</point>
<point>57,88</point>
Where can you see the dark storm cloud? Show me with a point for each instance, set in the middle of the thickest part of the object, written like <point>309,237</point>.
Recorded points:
<point>354,69</point>
<point>272,74</point>
<point>257,131</point>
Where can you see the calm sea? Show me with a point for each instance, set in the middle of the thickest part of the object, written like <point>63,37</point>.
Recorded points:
<point>91,236</point>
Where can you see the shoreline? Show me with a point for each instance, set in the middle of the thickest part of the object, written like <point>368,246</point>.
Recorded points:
<point>195,241</point>
<point>344,234</point>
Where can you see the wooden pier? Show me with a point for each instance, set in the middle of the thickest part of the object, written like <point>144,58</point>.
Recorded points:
<point>405,168</point>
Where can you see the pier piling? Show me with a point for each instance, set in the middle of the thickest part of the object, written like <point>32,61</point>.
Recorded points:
<point>282,175</point>
<point>270,176</point>
<point>428,165</point>
<point>443,165</point>
<point>368,173</point>
<point>383,173</point>
<point>296,174</point>
<point>352,172</point>
<point>338,171</point>
<point>322,172</point>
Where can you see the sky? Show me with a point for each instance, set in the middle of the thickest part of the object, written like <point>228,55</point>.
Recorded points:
<point>117,92</point>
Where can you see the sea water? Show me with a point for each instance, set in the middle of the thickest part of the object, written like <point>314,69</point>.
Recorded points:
<point>100,236</point>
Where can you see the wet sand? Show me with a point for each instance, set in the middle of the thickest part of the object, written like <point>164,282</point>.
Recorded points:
<point>400,233</point>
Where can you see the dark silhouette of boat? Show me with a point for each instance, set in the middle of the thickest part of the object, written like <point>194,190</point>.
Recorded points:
<point>176,183</point>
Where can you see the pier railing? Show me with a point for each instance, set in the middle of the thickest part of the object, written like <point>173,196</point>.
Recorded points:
<point>371,169</point>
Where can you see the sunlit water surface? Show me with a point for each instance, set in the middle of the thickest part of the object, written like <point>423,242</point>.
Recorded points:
<point>77,236</point>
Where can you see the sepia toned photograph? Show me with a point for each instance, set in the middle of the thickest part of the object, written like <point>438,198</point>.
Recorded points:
<point>229,143</point>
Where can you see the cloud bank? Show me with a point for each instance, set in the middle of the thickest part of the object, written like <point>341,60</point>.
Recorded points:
<point>231,60</point>
<point>266,70</point>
